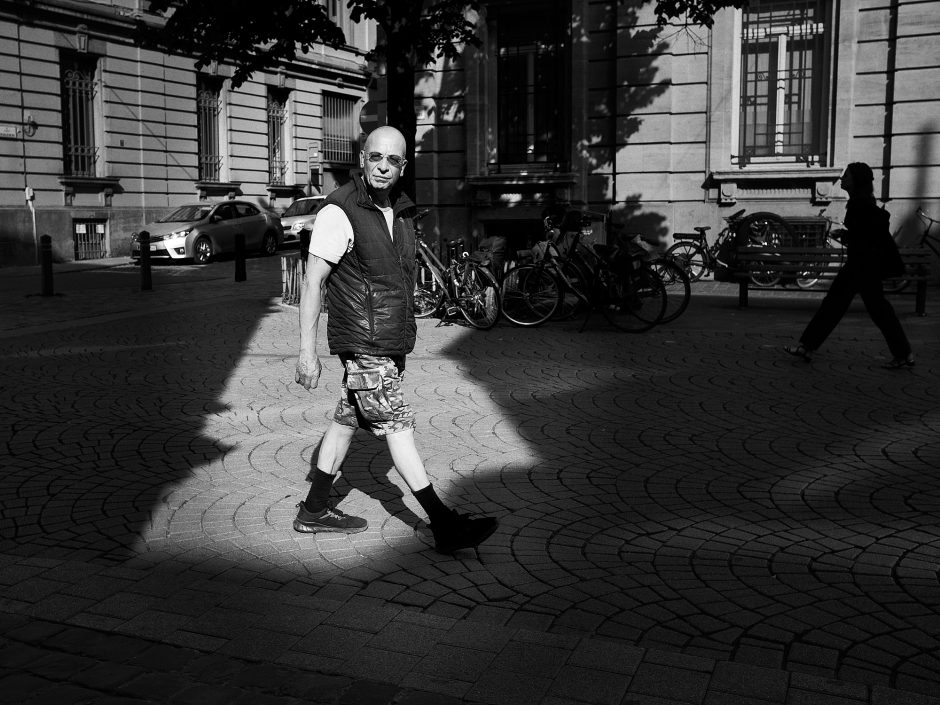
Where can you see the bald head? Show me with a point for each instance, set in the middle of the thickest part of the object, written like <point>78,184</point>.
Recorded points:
<point>383,160</point>
<point>385,135</point>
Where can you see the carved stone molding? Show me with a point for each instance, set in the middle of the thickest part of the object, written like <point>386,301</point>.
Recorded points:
<point>276,191</point>
<point>816,185</point>
<point>104,186</point>
<point>209,189</point>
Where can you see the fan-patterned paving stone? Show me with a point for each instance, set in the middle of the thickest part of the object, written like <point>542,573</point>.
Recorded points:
<point>688,489</point>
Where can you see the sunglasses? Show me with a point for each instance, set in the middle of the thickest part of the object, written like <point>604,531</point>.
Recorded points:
<point>393,159</point>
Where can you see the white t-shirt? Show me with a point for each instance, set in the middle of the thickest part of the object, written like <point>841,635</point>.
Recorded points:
<point>332,234</point>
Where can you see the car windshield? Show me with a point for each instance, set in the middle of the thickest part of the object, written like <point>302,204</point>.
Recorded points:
<point>302,207</point>
<point>186,214</point>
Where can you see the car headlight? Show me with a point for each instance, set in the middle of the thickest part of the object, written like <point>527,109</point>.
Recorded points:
<point>298,226</point>
<point>179,233</point>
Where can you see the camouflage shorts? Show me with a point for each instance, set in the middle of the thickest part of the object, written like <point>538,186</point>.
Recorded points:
<point>372,397</point>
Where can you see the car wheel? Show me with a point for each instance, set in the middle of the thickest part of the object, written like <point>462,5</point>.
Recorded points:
<point>269,243</point>
<point>202,251</point>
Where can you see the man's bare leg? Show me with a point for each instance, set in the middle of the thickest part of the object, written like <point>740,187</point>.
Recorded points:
<point>452,531</point>
<point>334,446</point>
<point>315,515</point>
<point>408,463</point>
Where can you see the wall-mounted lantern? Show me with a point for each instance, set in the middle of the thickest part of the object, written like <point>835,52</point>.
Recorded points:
<point>81,38</point>
<point>29,125</point>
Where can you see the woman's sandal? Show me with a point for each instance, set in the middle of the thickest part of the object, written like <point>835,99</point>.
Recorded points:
<point>899,363</point>
<point>798,351</point>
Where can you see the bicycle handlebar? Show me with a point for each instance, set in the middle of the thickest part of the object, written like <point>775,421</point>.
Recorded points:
<point>922,214</point>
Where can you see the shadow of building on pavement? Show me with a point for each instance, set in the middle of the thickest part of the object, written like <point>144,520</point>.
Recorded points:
<point>687,490</point>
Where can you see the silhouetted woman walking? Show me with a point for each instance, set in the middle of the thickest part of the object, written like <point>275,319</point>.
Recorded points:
<point>869,247</point>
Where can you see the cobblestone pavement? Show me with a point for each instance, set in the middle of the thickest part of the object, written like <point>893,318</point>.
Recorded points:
<point>687,516</point>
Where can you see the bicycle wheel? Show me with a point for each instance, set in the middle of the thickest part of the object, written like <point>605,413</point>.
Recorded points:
<point>765,279</point>
<point>429,290</point>
<point>766,230</point>
<point>690,256</point>
<point>807,279</point>
<point>477,295</point>
<point>678,287</point>
<point>530,295</point>
<point>894,286</point>
<point>575,281</point>
<point>633,300</point>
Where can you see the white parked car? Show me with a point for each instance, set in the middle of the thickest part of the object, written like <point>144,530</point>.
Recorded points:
<point>300,216</point>
<point>200,231</point>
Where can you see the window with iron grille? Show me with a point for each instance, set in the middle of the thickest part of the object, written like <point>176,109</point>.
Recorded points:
<point>90,239</point>
<point>79,86</point>
<point>277,142</point>
<point>784,66</point>
<point>532,70</point>
<point>208,108</point>
<point>340,132</point>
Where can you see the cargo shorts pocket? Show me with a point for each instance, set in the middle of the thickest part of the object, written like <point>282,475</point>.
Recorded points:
<point>368,391</point>
<point>363,380</point>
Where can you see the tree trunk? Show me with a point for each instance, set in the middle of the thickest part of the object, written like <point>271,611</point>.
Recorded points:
<point>401,112</point>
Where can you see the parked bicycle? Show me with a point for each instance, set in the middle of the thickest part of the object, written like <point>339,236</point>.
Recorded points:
<point>614,280</point>
<point>927,239</point>
<point>678,285</point>
<point>675,278</point>
<point>461,287</point>
<point>693,252</point>
<point>810,277</point>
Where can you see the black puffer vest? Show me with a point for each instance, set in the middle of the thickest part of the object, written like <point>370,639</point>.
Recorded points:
<point>370,295</point>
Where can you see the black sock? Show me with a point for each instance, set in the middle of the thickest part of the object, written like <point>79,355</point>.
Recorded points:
<point>320,486</point>
<point>433,506</point>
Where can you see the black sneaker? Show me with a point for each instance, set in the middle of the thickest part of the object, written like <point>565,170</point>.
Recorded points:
<point>462,532</point>
<point>330,519</point>
<point>899,363</point>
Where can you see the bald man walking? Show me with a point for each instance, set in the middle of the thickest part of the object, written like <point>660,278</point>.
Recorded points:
<point>363,248</point>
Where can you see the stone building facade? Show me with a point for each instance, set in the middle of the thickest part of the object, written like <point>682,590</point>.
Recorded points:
<point>584,103</point>
<point>589,102</point>
<point>99,136</point>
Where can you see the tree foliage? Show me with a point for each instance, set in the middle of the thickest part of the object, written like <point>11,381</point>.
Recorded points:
<point>252,36</point>
<point>245,34</point>
<point>697,12</point>
<point>416,32</point>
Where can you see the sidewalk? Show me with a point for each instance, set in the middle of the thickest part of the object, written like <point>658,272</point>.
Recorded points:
<point>686,515</point>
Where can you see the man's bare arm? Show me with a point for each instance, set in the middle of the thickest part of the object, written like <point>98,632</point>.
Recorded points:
<point>308,369</point>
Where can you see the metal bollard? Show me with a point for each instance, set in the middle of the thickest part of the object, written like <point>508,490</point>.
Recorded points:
<point>146,282</point>
<point>304,249</point>
<point>240,274</point>
<point>45,264</point>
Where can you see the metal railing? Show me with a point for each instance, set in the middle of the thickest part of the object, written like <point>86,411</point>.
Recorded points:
<point>78,116</point>
<point>208,108</point>
<point>90,240</point>
<point>340,138</point>
<point>782,69</point>
<point>210,167</point>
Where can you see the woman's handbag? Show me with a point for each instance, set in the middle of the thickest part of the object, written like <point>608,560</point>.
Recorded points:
<point>886,249</point>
